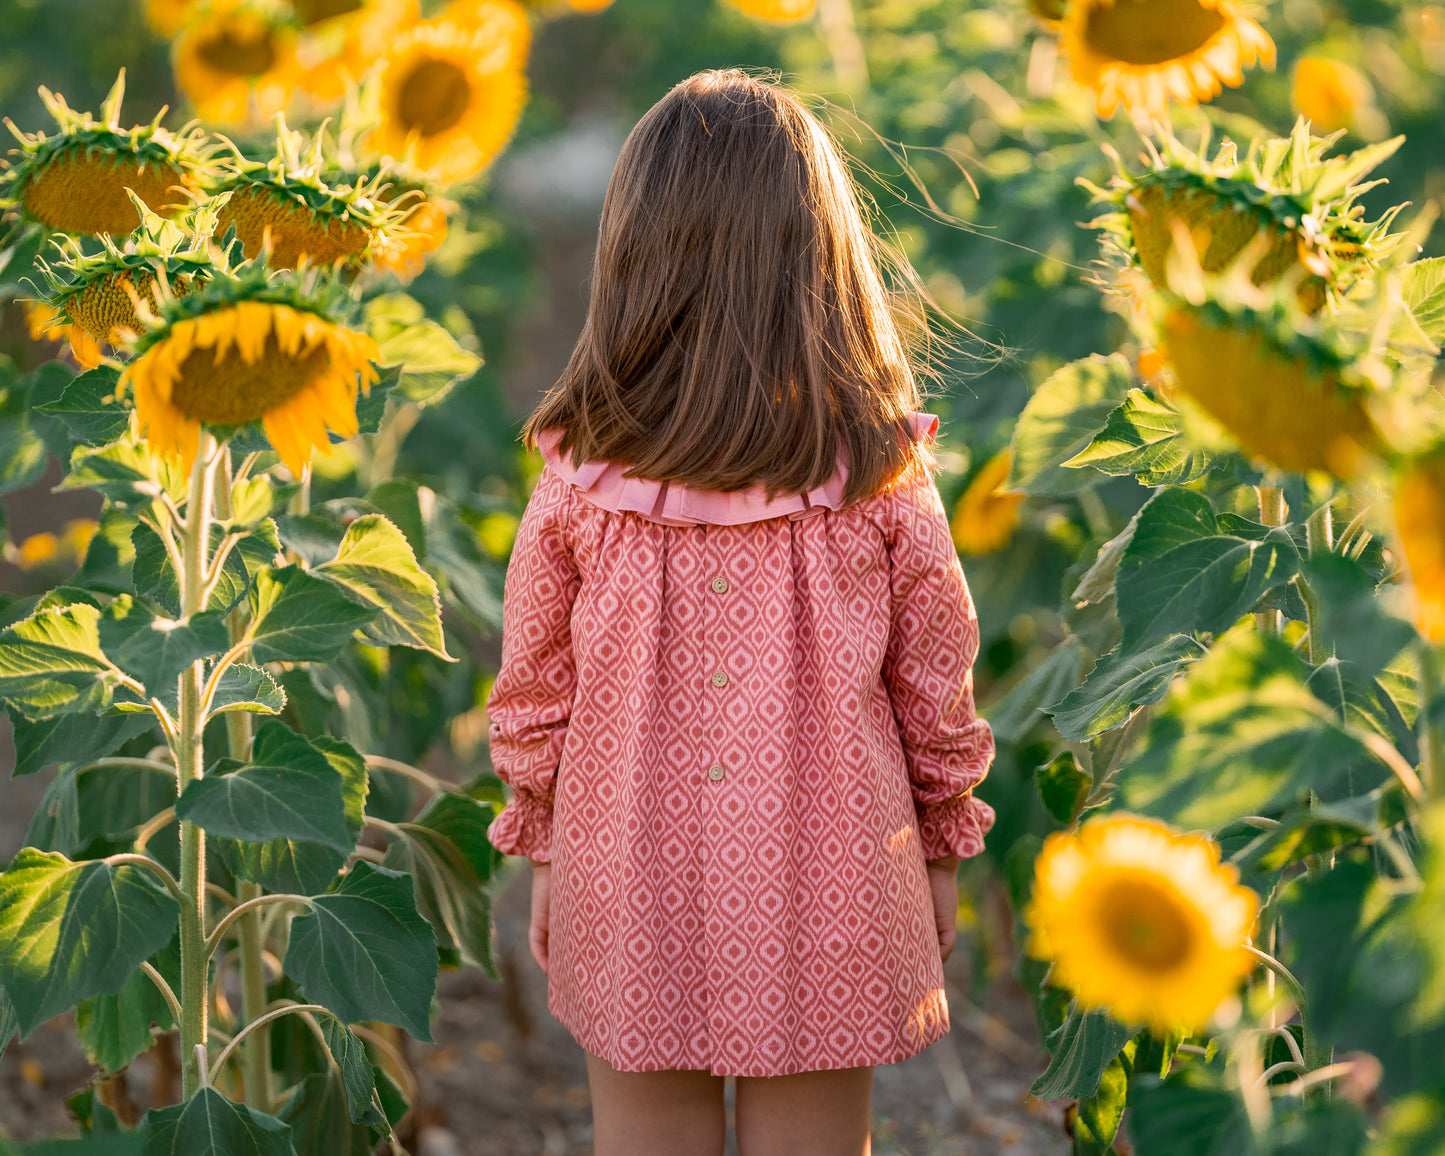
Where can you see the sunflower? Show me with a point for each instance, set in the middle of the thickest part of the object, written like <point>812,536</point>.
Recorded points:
<point>304,216</point>
<point>451,90</point>
<point>1284,190</point>
<point>250,350</point>
<point>1293,402</point>
<point>1141,922</point>
<point>48,549</point>
<point>342,39</point>
<point>986,514</point>
<point>237,61</point>
<point>76,180</point>
<point>1139,53</point>
<point>420,232</point>
<point>777,10</point>
<point>1329,93</point>
<point>1420,523</point>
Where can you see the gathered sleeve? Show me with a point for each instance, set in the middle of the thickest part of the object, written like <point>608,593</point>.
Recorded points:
<point>928,669</point>
<point>531,702</point>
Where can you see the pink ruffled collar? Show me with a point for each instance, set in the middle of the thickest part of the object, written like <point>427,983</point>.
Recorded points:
<point>605,484</point>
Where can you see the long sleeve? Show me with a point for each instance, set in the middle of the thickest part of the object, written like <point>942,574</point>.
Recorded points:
<point>531,702</point>
<point>928,669</point>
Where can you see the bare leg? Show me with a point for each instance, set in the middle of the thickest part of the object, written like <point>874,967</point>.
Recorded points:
<point>810,1114</point>
<point>655,1113</point>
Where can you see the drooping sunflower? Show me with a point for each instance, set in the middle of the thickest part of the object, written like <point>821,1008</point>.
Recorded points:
<point>986,515</point>
<point>1283,190</point>
<point>778,11</point>
<point>1142,53</point>
<point>75,180</point>
<point>1286,394</point>
<point>1420,524</point>
<point>303,214</point>
<point>1141,921</point>
<point>100,297</point>
<point>254,348</point>
<point>420,232</point>
<point>236,60</point>
<point>451,90</point>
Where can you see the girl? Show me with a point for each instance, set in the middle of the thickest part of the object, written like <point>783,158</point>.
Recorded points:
<point>735,704</point>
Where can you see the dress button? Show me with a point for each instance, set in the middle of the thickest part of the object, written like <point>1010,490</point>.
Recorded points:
<point>719,585</point>
<point>720,679</point>
<point>716,773</point>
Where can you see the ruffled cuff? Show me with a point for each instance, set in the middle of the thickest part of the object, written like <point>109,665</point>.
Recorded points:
<point>524,828</point>
<point>954,827</point>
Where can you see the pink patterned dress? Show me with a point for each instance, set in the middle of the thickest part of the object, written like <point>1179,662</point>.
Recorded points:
<point>737,728</point>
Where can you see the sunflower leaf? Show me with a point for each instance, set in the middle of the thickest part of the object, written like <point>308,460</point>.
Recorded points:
<point>208,1122</point>
<point>89,408</point>
<point>71,930</point>
<point>1079,1053</point>
<point>1120,682</point>
<point>376,567</point>
<point>55,742</point>
<point>1143,438</point>
<point>430,359</point>
<point>1423,286</point>
<point>1061,419</point>
<point>298,617</point>
<point>154,650</point>
<point>127,473</point>
<point>52,663</point>
<point>250,689</point>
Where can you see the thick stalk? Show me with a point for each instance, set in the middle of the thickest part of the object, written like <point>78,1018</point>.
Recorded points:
<point>1319,539</point>
<point>256,1050</point>
<point>190,762</point>
<point>1272,512</point>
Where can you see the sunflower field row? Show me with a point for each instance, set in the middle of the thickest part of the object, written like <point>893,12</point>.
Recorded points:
<point>1194,448</point>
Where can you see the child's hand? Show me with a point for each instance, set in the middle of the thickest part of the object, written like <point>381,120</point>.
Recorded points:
<point>943,887</point>
<point>541,912</point>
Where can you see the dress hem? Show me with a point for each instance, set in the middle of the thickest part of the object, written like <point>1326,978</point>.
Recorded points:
<point>897,1056</point>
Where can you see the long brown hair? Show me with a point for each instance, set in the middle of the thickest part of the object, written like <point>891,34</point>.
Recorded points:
<point>739,331</point>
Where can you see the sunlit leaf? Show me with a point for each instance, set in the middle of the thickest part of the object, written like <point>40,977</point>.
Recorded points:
<point>1060,421</point>
<point>297,617</point>
<point>52,663</point>
<point>1145,438</point>
<point>1079,1053</point>
<point>1119,683</point>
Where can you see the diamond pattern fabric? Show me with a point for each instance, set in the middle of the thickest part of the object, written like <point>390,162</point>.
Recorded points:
<point>737,744</point>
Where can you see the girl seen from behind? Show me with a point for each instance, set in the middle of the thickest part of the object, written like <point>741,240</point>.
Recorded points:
<point>735,705</point>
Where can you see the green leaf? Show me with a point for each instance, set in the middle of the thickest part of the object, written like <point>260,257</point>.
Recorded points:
<point>1013,715</point>
<point>155,578</point>
<point>22,451</point>
<point>72,930</point>
<point>376,567</point>
<point>55,825</point>
<point>89,408</point>
<point>1180,575</point>
<point>52,664</point>
<point>288,791</point>
<point>1060,421</point>
<point>154,650</point>
<point>1423,285</point>
<point>59,742</point>
<point>355,1068</point>
<point>1243,735</point>
<point>1119,683</point>
<point>431,360</point>
<point>296,617</point>
<point>1351,619</point>
<point>114,1029</point>
<point>9,1024</point>
<point>1413,1124</point>
<point>319,1115</point>
<point>127,473</point>
<point>364,953</point>
<point>113,801</point>
<point>1363,702</point>
<point>1188,1115</point>
<point>1145,438</point>
<point>252,500</point>
<point>101,1144</point>
<point>110,555</point>
<point>371,406</point>
<point>1063,787</point>
<point>445,851</point>
<point>1079,1052</point>
<point>472,579</point>
<point>1099,1116</point>
<point>210,1123</point>
<point>248,688</point>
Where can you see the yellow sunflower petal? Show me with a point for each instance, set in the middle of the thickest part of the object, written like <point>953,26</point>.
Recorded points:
<point>985,516</point>
<point>85,348</point>
<point>165,427</point>
<point>1420,523</point>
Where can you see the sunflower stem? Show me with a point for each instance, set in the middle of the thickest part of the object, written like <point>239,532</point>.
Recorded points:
<point>190,762</point>
<point>845,46</point>
<point>1272,512</point>
<point>256,1049</point>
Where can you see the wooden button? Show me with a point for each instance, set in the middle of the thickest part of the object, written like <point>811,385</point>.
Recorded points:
<point>719,585</point>
<point>720,679</point>
<point>716,773</point>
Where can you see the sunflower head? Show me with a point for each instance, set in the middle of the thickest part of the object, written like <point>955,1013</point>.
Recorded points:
<point>342,39</point>
<point>272,349</point>
<point>1330,94</point>
<point>1284,206</point>
<point>75,180</point>
<point>302,211</point>
<point>986,515</point>
<point>450,91</point>
<point>1142,53</point>
<point>236,60</point>
<point>102,297</point>
<point>778,11</point>
<point>1420,525</point>
<point>1141,921</point>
